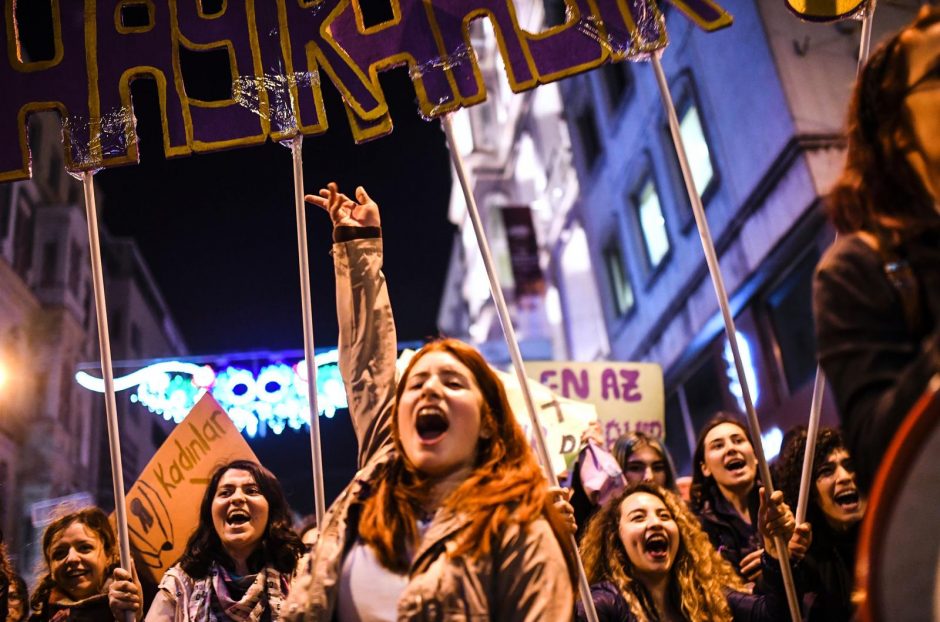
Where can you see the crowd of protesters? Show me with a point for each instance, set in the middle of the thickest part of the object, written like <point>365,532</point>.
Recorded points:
<point>449,516</point>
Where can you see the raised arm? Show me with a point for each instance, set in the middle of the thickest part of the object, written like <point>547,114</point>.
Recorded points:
<point>367,339</point>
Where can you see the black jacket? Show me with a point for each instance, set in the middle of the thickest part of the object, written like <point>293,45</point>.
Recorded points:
<point>877,364</point>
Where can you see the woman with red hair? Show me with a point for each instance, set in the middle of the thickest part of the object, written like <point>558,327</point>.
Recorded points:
<point>448,516</point>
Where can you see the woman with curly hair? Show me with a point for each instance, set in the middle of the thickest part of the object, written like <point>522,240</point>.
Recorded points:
<point>238,563</point>
<point>648,559</point>
<point>79,552</point>
<point>876,295</point>
<point>448,516</point>
<point>835,508</point>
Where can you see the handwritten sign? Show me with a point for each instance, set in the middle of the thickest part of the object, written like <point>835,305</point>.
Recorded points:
<point>563,421</point>
<point>277,53</point>
<point>628,396</point>
<point>163,504</point>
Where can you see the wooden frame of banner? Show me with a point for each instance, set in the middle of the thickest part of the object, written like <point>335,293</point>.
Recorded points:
<point>512,344</point>
<point>815,411</point>
<point>107,373</point>
<point>316,454</point>
<point>714,269</point>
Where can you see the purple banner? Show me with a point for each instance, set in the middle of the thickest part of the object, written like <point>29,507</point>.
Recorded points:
<point>277,54</point>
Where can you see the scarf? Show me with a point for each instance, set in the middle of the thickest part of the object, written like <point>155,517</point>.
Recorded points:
<point>216,603</point>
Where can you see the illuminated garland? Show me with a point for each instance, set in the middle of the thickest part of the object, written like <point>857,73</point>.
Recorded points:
<point>274,399</point>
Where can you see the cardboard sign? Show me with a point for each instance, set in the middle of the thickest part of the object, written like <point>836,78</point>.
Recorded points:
<point>628,396</point>
<point>163,504</point>
<point>277,53</point>
<point>563,420</point>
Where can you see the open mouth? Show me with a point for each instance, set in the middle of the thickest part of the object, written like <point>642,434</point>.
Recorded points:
<point>238,517</point>
<point>657,546</point>
<point>735,464</point>
<point>431,424</point>
<point>76,573</point>
<point>847,499</point>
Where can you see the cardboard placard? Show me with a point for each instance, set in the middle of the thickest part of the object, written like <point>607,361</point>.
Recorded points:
<point>628,396</point>
<point>163,504</point>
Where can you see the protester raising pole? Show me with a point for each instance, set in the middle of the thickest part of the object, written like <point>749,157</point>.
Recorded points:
<point>110,404</point>
<point>714,269</point>
<point>819,387</point>
<point>515,354</point>
<point>315,447</point>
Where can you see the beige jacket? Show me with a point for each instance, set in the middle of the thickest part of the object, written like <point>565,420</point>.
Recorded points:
<point>524,577</point>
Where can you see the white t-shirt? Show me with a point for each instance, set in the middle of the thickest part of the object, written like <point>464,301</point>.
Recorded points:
<point>368,591</point>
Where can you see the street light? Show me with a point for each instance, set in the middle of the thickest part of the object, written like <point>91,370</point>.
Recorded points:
<point>3,375</point>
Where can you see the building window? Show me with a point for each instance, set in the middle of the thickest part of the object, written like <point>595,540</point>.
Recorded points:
<point>696,147</point>
<point>649,215</point>
<point>618,82</point>
<point>618,280</point>
<point>790,309</point>
<point>23,240</point>
<point>75,268</point>
<point>590,139</point>
<point>50,255</point>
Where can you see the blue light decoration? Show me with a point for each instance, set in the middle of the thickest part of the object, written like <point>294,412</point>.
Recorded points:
<point>276,398</point>
<point>750,372</point>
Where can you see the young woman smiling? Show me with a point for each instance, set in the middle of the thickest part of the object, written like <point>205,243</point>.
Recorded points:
<point>238,563</point>
<point>724,493</point>
<point>79,551</point>
<point>835,508</point>
<point>448,516</point>
<point>647,558</point>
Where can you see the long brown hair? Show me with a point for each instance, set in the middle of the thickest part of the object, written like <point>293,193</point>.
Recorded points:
<point>877,180</point>
<point>97,522</point>
<point>702,487</point>
<point>506,486</point>
<point>699,575</point>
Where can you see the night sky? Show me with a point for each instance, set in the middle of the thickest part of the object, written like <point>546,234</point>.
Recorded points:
<point>219,236</point>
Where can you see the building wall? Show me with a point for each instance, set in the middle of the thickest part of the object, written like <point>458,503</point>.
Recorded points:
<point>53,439</point>
<point>770,94</point>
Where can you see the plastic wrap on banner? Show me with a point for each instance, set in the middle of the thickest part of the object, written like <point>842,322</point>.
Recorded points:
<point>277,55</point>
<point>279,104</point>
<point>91,141</point>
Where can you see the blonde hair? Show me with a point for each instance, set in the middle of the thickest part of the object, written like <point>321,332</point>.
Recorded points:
<point>698,578</point>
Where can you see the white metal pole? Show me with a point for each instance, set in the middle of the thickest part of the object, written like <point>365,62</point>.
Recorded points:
<point>514,353</point>
<point>812,431</point>
<point>714,269</point>
<point>315,445</point>
<point>110,403</point>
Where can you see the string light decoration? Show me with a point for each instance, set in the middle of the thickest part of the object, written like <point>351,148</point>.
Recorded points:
<point>274,398</point>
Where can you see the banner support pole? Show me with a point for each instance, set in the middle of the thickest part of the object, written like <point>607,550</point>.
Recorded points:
<point>107,373</point>
<point>316,452</point>
<point>714,269</point>
<point>512,344</point>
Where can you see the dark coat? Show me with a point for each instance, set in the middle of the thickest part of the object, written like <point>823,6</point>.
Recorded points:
<point>826,574</point>
<point>728,532</point>
<point>93,609</point>
<point>768,607</point>
<point>877,363</point>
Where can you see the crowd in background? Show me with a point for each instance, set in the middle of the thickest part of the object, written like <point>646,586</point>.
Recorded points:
<point>449,515</point>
